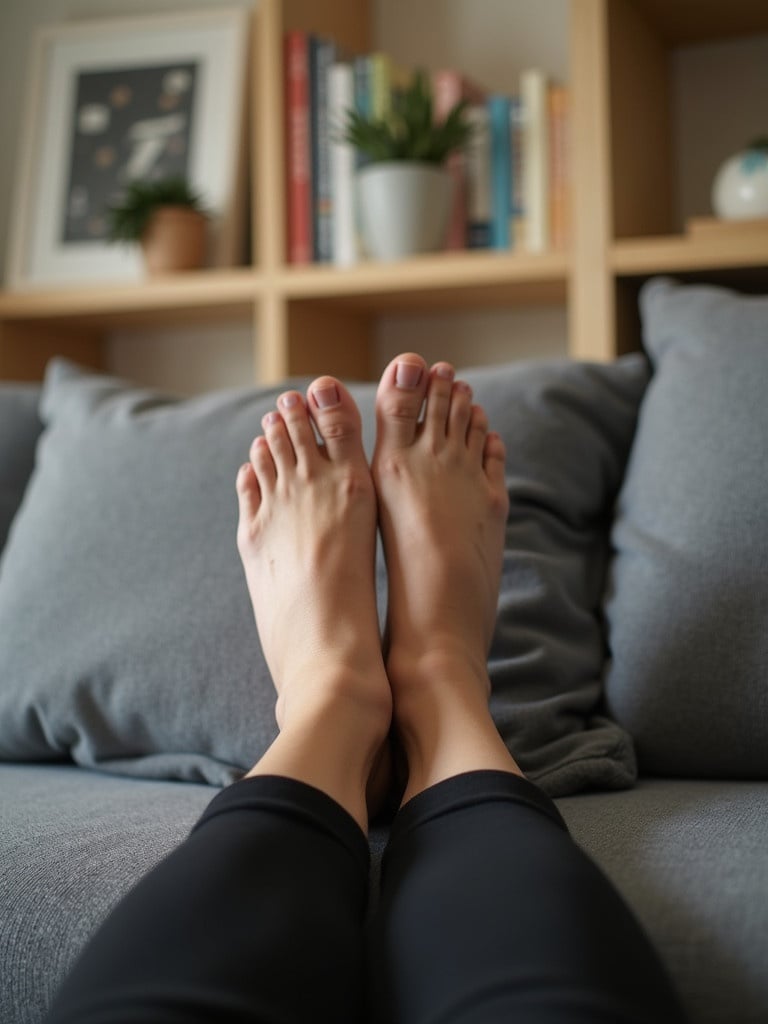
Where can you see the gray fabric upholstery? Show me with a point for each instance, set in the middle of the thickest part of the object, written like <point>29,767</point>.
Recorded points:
<point>124,609</point>
<point>689,858</point>
<point>688,597</point>
<point>72,843</point>
<point>20,428</point>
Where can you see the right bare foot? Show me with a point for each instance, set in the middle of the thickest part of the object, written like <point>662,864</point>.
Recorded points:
<point>442,512</point>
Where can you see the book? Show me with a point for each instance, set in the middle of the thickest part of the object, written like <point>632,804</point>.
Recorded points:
<point>298,157</point>
<point>517,228</point>
<point>535,145</point>
<point>559,212</point>
<point>499,116</point>
<point>478,167</point>
<point>341,98</point>
<point>322,54</point>
<point>450,87</point>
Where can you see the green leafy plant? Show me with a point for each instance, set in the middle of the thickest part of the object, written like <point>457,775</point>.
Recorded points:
<point>409,132</point>
<point>128,219</point>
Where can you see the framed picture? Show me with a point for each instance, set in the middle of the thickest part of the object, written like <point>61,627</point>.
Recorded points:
<point>116,100</point>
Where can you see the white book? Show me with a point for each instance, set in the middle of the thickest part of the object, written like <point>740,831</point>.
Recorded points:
<point>535,138</point>
<point>341,98</point>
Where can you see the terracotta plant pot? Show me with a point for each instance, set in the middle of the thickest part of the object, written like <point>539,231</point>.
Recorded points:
<point>175,239</point>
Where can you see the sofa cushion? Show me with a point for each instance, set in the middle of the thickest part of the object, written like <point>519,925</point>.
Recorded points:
<point>129,638</point>
<point>687,603</point>
<point>72,843</point>
<point>688,856</point>
<point>20,428</point>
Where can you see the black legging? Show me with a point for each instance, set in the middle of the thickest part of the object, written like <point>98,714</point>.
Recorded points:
<point>489,913</point>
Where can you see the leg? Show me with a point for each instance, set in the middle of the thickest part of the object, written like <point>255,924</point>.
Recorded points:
<point>489,911</point>
<point>258,916</point>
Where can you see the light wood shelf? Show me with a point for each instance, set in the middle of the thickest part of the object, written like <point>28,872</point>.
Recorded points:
<point>680,254</point>
<point>178,298</point>
<point>320,318</point>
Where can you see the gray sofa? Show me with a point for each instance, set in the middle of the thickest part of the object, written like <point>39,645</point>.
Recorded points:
<point>628,665</point>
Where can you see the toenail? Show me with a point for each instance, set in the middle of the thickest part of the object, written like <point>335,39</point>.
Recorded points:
<point>446,372</point>
<point>272,417</point>
<point>463,387</point>
<point>288,401</point>
<point>407,375</point>
<point>326,397</point>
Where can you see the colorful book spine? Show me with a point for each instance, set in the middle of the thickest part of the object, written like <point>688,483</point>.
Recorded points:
<point>516,143</point>
<point>479,179</point>
<point>341,98</point>
<point>450,87</point>
<point>559,189</point>
<point>533,93</point>
<point>322,56</point>
<point>499,114</point>
<point>298,149</point>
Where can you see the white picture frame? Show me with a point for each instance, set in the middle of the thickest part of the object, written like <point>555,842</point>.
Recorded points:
<point>194,65</point>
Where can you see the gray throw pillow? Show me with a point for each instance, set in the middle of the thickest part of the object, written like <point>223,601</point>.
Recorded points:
<point>687,606</point>
<point>126,630</point>
<point>20,428</point>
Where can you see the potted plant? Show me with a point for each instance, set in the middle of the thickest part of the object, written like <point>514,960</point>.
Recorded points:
<point>167,218</point>
<point>404,189</point>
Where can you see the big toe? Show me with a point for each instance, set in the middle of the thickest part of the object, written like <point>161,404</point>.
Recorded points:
<point>337,419</point>
<point>399,400</point>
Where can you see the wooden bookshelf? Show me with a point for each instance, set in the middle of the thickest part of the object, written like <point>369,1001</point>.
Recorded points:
<point>317,318</point>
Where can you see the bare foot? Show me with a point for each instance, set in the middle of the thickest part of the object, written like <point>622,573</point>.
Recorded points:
<point>307,538</point>
<point>442,511</point>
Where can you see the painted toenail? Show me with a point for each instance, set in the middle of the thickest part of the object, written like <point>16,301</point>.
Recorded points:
<point>407,376</point>
<point>326,397</point>
<point>288,401</point>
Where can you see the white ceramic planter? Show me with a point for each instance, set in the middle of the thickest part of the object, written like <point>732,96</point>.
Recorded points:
<point>740,189</point>
<point>403,208</point>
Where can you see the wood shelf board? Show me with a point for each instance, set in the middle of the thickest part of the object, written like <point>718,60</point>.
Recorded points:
<point>693,21</point>
<point>445,280</point>
<point>667,254</point>
<point>211,294</point>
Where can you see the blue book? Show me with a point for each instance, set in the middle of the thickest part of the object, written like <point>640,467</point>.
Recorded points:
<point>499,113</point>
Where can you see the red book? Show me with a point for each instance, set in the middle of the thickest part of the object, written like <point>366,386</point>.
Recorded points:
<point>449,88</point>
<point>298,156</point>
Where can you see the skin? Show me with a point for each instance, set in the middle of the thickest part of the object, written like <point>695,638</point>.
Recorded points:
<point>307,539</point>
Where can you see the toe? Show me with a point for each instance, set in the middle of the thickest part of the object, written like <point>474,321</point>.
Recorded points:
<point>249,503</point>
<point>279,441</point>
<point>337,419</point>
<point>263,466</point>
<point>248,492</point>
<point>296,419</point>
<point>438,405</point>
<point>399,400</point>
<point>476,432</point>
<point>460,413</point>
<point>494,456</point>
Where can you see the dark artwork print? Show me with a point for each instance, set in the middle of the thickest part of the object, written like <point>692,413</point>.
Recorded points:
<point>127,124</point>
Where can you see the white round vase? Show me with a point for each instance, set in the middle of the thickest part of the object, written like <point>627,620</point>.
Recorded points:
<point>740,188</point>
<point>403,208</point>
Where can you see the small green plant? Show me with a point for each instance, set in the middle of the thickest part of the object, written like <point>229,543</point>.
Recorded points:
<point>409,132</point>
<point>129,218</point>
